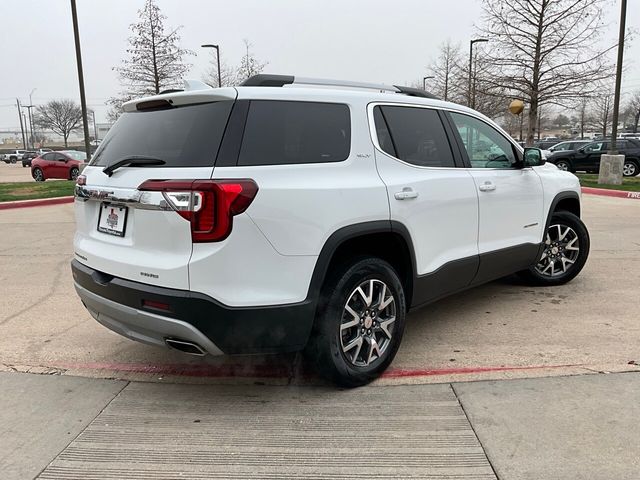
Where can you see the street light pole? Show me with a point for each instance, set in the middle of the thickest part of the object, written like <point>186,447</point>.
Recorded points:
<point>470,95</point>
<point>424,81</point>
<point>616,98</point>
<point>83,101</point>
<point>209,45</point>
<point>95,127</point>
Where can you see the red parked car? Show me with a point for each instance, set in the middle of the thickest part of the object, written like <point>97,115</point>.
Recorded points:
<point>66,164</point>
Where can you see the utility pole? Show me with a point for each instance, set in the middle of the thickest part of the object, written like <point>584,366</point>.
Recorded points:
<point>616,98</point>
<point>471,95</point>
<point>217,47</point>
<point>29,107</point>
<point>83,101</point>
<point>33,122</point>
<point>24,141</point>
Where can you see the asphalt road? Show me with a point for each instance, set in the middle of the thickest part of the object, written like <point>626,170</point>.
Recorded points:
<point>500,330</point>
<point>14,172</point>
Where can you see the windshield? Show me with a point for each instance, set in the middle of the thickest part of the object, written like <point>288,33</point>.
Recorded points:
<point>186,136</point>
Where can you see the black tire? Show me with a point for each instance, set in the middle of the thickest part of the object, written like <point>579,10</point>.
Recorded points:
<point>325,349</point>
<point>564,165</point>
<point>13,160</point>
<point>534,274</point>
<point>38,175</point>
<point>73,174</point>
<point>630,168</point>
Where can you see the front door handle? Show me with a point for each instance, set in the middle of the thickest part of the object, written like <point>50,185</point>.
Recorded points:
<point>406,193</point>
<point>487,187</point>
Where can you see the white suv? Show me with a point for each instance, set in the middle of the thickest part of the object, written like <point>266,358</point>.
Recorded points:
<point>291,214</point>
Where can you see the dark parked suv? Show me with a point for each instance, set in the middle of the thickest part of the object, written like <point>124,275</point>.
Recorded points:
<point>27,157</point>
<point>587,158</point>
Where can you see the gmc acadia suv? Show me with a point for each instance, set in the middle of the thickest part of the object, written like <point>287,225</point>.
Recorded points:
<point>280,216</point>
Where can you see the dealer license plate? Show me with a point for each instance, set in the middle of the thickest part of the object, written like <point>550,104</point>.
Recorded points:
<point>112,219</point>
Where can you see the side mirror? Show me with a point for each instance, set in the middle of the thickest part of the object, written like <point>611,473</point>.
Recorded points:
<point>581,150</point>
<point>533,157</point>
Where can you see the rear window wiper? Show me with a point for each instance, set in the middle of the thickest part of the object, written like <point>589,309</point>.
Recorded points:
<point>132,161</point>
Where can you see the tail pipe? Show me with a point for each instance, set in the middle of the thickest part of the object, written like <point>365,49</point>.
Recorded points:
<point>186,346</point>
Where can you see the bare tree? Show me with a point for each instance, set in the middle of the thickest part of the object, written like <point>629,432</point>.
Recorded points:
<point>547,51</point>
<point>603,111</point>
<point>155,58</point>
<point>227,73</point>
<point>633,106</point>
<point>60,116</point>
<point>584,105</point>
<point>249,65</point>
<point>447,73</point>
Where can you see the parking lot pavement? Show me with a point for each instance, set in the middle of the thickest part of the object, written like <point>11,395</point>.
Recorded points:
<point>500,330</point>
<point>41,414</point>
<point>14,172</point>
<point>570,428</point>
<point>581,427</point>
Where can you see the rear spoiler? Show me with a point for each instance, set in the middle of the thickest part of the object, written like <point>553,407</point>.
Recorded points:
<point>195,92</point>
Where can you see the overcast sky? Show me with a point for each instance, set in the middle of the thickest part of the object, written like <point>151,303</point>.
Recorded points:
<point>370,40</point>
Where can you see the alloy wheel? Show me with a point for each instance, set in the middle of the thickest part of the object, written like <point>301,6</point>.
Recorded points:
<point>38,176</point>
<point>561,250</point>
<point>367,323</point>
<point>629,169</point>
<point>563,166</point>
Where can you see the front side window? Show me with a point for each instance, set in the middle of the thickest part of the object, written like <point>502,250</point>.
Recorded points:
<point>594,147</point>
<point>485,146</point>
<point>289,132</point>
<point>48,156</point>
<point>561,147</point>
<point>414,135</point>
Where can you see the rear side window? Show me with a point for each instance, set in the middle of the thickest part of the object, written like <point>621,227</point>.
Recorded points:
<point>186,136</point>
<point>417,136</point>
<point>286,132</point>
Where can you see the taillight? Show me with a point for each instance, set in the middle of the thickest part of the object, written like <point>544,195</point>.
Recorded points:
<point>209,205</point>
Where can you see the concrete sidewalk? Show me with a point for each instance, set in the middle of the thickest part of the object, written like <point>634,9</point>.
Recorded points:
<point>63,427</point>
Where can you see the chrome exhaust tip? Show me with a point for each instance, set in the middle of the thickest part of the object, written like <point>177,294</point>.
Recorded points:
<point>186,347</point>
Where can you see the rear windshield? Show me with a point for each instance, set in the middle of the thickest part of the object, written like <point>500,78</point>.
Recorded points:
<point>186,136</point>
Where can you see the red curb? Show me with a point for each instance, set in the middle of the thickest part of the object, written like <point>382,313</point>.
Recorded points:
<point>278,371</point>
<point>35,203</point>
<point>611,193</point>
<point>416,372</point>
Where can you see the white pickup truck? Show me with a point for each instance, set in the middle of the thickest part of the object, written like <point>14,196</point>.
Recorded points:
<point>12,156</point>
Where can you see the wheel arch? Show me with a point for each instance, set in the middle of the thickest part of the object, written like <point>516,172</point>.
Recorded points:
<point>386,239</point>
<point>565,202</point>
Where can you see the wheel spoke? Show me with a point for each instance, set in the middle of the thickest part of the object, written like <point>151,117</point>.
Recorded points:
<point>384,326</point>
<point>373,348</point>
<point>571,243</point>
<point>350,324</point>
<point>566,261</point>
<point>367,299</point>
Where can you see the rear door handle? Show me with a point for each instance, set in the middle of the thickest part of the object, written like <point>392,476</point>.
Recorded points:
<point>487,187</point>
<point>406,193</point>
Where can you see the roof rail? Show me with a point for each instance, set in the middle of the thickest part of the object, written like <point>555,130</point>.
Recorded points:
<point>266,80</point>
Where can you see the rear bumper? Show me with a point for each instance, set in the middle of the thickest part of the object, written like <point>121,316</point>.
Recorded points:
<point>117,303</point>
